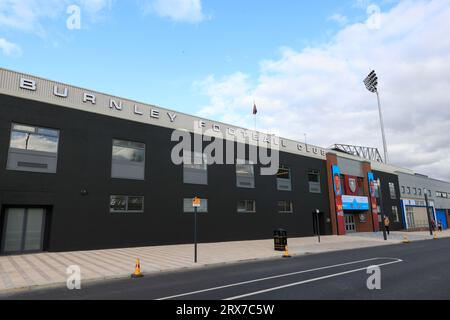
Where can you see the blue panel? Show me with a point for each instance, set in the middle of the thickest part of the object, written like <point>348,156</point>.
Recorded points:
<point>441,216</point>
<point>355,203</point>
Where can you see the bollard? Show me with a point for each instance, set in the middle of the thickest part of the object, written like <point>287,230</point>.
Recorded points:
<point>405,239</point>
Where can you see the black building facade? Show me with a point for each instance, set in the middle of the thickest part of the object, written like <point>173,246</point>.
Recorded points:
<point>82,171</point>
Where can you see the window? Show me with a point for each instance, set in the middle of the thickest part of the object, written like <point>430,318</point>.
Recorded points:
<point>285,206</point>
<point>440,194</point>
<point>246,206</point>
<point>415,190</point>
<point>392,190</point>
<point>128,160</point>
<point>195,168</point>
<point>284,179</point>
<point>126,204</point>
<point>33,149</point>
<point>188,208</point>
<point>395,214</point>
<point>408,190</point>
<point>314,181</point>
<point>245,177</point>
<point>429,193</point>
<point>403,189</point>
<point>420,191</point>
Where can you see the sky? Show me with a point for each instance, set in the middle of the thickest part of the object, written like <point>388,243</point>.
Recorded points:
<point>302,62</point>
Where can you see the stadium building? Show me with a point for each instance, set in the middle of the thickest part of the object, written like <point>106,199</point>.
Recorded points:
<point>82,170</point>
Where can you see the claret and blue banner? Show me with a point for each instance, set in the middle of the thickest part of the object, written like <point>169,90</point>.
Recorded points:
<point>373,201</point>
<point>337,185</point>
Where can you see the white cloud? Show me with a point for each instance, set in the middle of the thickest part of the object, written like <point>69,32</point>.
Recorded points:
<point>178,10</point>
<point>9,48</point>
<point>319,90</point>
<point>339,18</point>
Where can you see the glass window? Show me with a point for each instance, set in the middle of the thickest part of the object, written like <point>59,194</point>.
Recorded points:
<point>128,160</point>
<point>408,190</point>
<point>414,190</point>
<point>284,179</point>
<point>392,190</point>
<point>33,149</point>
<point>246,206</point>
<point>195,168</point>
<point>126,204</point>
<point>314,181</point>
<point>285,206</point>
<point>429,193</point>
<point>403,189</point>
<point>420,191</point>
<point>395,214</point>
<point>188,208</point>
<point>245,177</point>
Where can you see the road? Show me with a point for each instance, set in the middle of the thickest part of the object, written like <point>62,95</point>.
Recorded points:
<point>419,270</point>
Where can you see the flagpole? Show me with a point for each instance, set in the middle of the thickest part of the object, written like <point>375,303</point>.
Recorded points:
<point>254,112</point>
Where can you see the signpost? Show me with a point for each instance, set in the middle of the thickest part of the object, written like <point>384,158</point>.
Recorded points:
<point>196,203</point>
<point>317,223</point>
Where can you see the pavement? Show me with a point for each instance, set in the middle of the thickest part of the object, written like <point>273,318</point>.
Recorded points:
<point>419,270</point>
<point>46,270</point>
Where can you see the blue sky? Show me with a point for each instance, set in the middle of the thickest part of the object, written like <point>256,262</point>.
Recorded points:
<point>302,61</point>
<point>129,51</point>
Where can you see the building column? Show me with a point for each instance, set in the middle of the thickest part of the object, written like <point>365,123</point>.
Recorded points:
<point>331,161</point>
<point>373,216</point>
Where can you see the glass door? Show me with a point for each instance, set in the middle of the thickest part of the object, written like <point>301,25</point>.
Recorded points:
<point>23,231</point>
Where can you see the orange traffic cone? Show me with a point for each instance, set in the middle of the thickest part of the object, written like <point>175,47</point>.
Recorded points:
<point>286,252</point>
<point>137,270</point>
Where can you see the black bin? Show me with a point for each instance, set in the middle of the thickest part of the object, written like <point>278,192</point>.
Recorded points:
<point>280,239</point>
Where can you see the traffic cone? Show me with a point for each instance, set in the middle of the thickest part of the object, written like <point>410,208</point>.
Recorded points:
<point>405,239</point>
<point>137,270</point>
<point>286,252</point>
<point>435,237</point>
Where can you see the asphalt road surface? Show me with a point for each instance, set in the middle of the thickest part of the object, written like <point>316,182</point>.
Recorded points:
<point>419,270</point>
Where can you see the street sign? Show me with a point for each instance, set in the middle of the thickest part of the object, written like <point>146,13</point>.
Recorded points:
<point>196,202</point>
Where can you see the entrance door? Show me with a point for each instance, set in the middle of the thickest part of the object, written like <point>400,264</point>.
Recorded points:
<point>350,225</point>
<point>23,230</point>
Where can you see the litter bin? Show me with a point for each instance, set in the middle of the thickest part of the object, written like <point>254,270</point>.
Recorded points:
<point>280,239</point>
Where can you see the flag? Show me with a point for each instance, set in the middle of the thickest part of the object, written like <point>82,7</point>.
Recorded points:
<point>255,110</point>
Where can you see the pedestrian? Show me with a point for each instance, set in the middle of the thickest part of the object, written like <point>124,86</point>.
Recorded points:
<point>387,223</point>
<point>440,226</point>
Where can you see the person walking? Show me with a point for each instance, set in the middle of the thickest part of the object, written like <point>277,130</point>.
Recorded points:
<point>387,224</point>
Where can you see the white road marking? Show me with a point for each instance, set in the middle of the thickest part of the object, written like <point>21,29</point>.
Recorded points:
<point>275,277</point>
<point>308,281</point>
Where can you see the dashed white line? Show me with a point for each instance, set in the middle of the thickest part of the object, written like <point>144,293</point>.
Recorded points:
<point>307,281</point>
<point>275,277</point>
